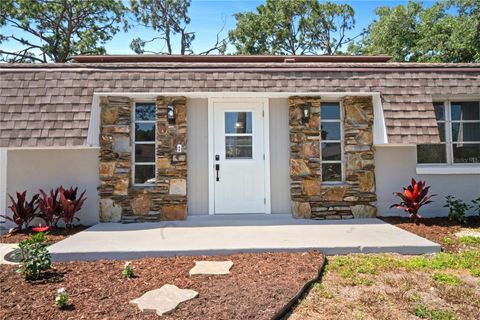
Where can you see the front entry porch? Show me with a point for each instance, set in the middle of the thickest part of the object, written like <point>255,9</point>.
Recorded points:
<point>216,235</point>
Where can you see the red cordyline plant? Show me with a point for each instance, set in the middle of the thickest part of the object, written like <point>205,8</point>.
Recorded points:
<point>50,207</point>
<point>70,204</point>
<point>23,211</point>
<point>413,198</point>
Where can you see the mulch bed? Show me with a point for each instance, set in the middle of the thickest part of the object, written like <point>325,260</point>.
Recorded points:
<point>54,235</point>
<point>258,286</point>
<point>435,229</point>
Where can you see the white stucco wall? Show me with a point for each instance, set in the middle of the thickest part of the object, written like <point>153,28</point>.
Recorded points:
<point>32,170</point>
<point>394,166</point>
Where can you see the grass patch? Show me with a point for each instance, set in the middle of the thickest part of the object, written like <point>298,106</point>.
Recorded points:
<point>446,278</point>
<point>470,241</point>
<point>353,266</point>
<point>423,312</point>
<point>320,290</point>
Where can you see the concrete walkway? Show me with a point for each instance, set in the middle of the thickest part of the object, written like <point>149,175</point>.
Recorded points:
<point>213,235</point>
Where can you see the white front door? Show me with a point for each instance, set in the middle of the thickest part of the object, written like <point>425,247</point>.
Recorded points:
<point>239,157</point>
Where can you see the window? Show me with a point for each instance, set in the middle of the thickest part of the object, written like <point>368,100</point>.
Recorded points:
<point>331,143</point>
<point>144,144</point>
<point>459,131</point>
<point>238,135</point>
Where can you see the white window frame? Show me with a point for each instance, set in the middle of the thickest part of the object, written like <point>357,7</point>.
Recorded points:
<point>449,167</point>
<point>134,143</point>
<point>342,144</point>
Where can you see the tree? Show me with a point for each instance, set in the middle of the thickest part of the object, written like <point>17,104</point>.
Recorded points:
<point>445,32</point>
<point>293,27</point>
<point>170,19</point>
<point>55,30</point>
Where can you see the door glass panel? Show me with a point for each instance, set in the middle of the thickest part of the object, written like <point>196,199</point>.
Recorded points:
<point>238,147</point>
<point>332,172</point>
<point>144,131</point>
<point>144,153</point>
<point>238,122</point>
<point>331,151</point>
<point>330,130</point>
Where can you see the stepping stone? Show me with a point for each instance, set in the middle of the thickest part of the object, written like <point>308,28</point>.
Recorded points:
<point>211,267</point>
<point>163,300</point>
<point>467,233</point>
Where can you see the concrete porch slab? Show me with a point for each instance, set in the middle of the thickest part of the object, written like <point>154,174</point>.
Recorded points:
<point>215,235</point>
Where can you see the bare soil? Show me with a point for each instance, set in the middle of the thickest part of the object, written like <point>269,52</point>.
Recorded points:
<point>439,230</point>
<point>53,235</point>
<point>259,286</point>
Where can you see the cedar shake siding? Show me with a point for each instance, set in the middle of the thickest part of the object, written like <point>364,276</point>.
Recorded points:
<point>49,105</point>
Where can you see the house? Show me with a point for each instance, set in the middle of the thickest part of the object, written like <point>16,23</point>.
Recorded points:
<point>165,137</point>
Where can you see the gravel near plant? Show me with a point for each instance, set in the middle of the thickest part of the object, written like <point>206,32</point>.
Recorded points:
<point>258,286</point>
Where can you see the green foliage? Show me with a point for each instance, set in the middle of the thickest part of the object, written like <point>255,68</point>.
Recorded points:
<point>293,27</point>
<point>423,312</point>
<point>320,289</point>
<point>127,270</point>
<point>476,205</point>
<point>470,241</point>
<point>446,278</point>
<point>457,209</point>
<point>35,257</point>
<point>57,30</point>
<point>372,264</point>
<point>448,31</point>
<point>61,300</point>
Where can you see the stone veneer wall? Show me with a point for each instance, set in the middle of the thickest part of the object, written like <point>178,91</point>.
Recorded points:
<point>119,199</point>
<point>312,199</point>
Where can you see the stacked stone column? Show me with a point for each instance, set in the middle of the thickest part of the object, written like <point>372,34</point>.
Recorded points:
<point>120,200</point>
<point>310,198</point>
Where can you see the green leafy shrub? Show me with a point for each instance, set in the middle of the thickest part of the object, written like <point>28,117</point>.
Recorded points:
<point>35,257</point>
<point>127,270</point>
<point>61,300</point>
<point>476,205</point>
<point>456,209</point>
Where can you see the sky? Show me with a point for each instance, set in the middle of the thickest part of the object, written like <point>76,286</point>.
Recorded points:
<point>208,17</point>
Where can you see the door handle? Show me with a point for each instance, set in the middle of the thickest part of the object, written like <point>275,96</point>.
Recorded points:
<point>217,168</point>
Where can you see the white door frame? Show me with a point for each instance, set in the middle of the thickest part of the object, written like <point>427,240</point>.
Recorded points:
<point>211,135</point>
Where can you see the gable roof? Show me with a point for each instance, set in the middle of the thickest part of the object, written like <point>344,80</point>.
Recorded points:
<point>50,105</point>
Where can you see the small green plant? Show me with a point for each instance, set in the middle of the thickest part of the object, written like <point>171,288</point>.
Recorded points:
<point>35,257</point>
<point>476,205</point>
<point>127,270</point>
<point>446,278</point>
<point>61,300</point>
<point>423,312</point>
<point>456,209</point>
<point>470,241</point>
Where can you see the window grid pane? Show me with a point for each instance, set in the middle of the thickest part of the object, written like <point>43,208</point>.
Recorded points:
<point>459,129</point>
<point>331,144</point>
<point>144,144</point>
